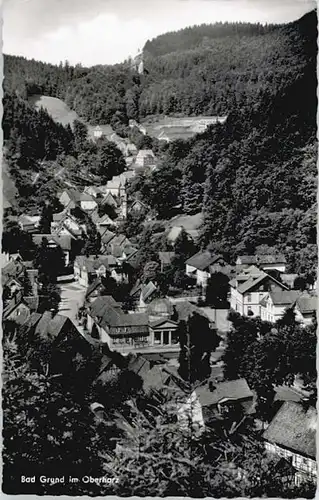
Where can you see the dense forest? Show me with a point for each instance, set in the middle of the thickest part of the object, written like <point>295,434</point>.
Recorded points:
<point>254,177</point>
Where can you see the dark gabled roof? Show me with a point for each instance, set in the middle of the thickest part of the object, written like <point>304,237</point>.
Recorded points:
<point>202,260</point>
<point>294,427</point>
<point>108,312</point>
<point>148,290</point>
<point>253,281</point>
<point>107,236</point>
<point>262,259</point>
<point>138,364</point>
<point>233,390</point>
<point>307,304</point>
<point>49,328</point>
<point>91,288</point>
<point>120,240</point>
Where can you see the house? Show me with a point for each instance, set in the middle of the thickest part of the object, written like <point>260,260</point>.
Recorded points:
<point>97,132</point>
<point>87,269</point>
<point>274,304</point>
<point>166,259</point>
<point>264,262</point>
<point>145,158</point>
<point>119,331</point>
<point>29,223</point>
<point>213,401</point>
<point>68,225</point>
<point>54,241</point>
<point>106,238</point>
<point>248,289</point>
<point>108,199</point>
<point>102,223</point>
<point>305,308</point>
<point>199,265</point>
<point>94,290</point>
<point>148,291</point>
<point>137,207</point>
<point>65,341</point>
<point>16,309</point>
<point>71,198</point>
<point>117,244</point>
<point>94,191</point>
<point>292,435</point>
<point>115,186</point>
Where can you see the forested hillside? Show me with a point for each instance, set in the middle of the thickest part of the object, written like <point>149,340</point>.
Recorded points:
<point>201,70</point>
<point>254,177</point>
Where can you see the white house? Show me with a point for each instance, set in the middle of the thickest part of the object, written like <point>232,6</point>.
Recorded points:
<point>274,305</point>
<point>292,435</point>
<point>305,308</point>
<point>145,158</point>
<point>248,289</point>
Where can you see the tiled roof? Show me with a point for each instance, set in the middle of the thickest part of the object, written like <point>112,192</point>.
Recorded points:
<point>49,328</point>
<point>93,286</point>
<point>108,200</point>
<point>284,297</point>
<point>145,152</point>
<point>234,390</point>
<point>148,290</point>
<point>262,259</point>
<point>109,313</point>
<point>138,364</point>
<point>294,427</point>
<point>202,260</point>
<point>107,237</point>
<point>307,304</point>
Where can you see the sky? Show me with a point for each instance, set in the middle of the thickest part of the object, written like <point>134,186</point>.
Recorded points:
<point>108,31</point>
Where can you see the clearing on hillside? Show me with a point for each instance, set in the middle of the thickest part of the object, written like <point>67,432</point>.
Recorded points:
<point>56,108</point>
<point>170,128</point>
<point>60,112</point>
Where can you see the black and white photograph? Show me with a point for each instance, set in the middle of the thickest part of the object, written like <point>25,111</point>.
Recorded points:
<point>159,248</point>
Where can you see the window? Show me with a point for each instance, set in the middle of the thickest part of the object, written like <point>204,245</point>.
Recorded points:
<point>249,297</point>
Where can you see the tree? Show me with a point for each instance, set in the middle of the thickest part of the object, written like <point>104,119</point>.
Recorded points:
<point>197,342</point>
<point>45,429</point>
<point>92,244</point>
<point>80,135</point>
<point>46,219</point>
<point>49,261</point>
<point>109,160</point>
<point>150,271</point>
<point>217,290</point>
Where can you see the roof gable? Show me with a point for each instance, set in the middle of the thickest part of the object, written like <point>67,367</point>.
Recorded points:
<point>202,260</point>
